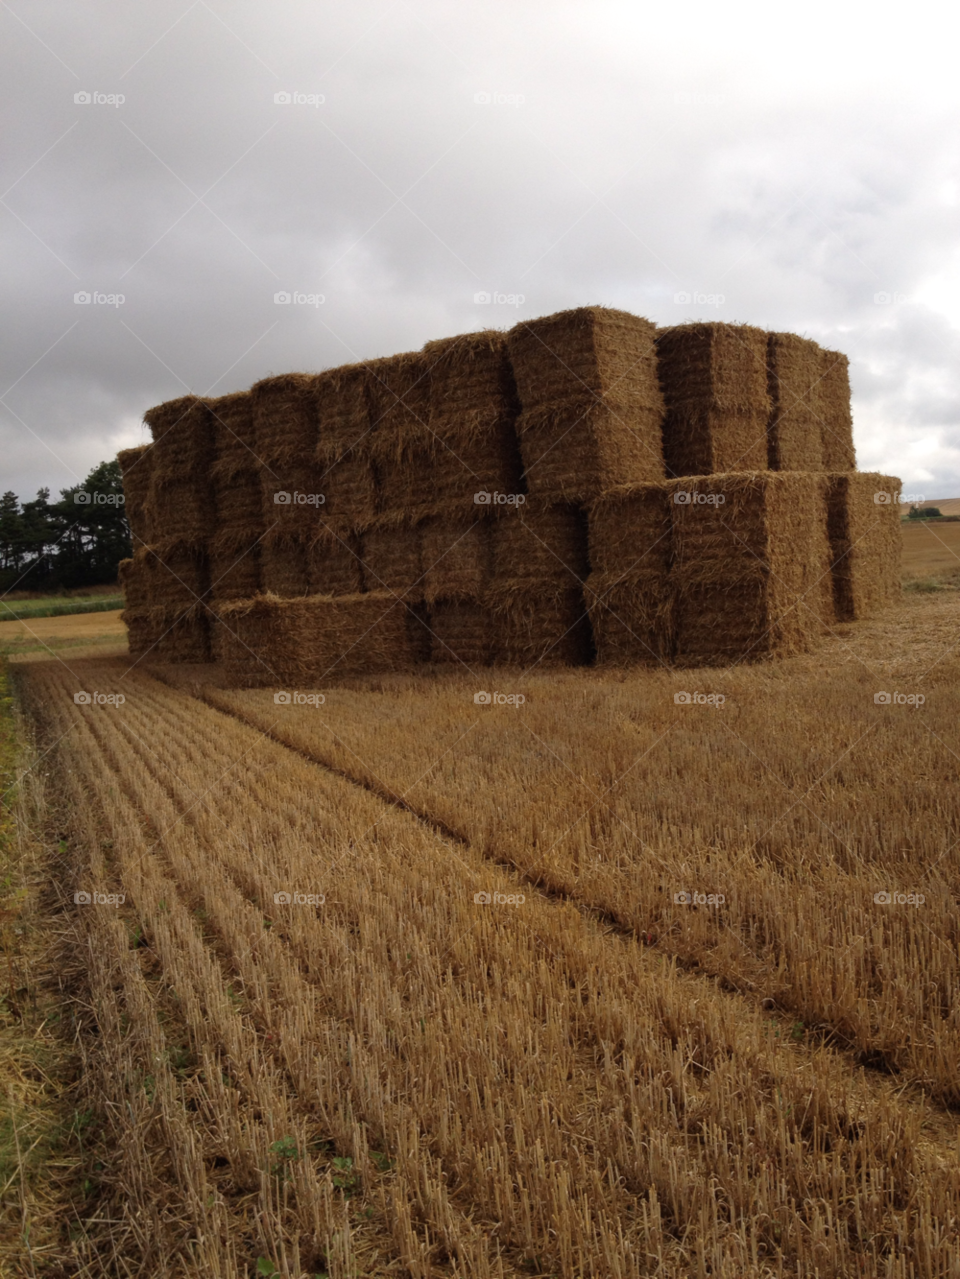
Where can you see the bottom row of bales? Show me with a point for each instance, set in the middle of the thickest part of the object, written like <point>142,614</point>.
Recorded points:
<point>711,570</point>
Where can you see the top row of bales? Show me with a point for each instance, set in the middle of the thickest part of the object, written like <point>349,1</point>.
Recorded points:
<point>565,407</point>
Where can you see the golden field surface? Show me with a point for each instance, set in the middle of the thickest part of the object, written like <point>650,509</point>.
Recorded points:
<point>488,1035</point>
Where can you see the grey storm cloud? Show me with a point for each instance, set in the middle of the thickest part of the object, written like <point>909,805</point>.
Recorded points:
<point>548,155</point>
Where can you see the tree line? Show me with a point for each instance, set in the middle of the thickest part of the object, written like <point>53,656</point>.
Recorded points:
<point>77,541</point>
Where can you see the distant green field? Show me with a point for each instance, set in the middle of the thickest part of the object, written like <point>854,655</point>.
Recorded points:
<point>56,606</point>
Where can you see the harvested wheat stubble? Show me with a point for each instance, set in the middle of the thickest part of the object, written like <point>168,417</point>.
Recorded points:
<point>334,561</point>
<point>629,592</point>
<point>592,404</point>
<point>168,634</point>
<point>542,543</point>
<point>833,407</point>
<point>234,434</point>
<point>284,563</point>
<point>539,624</point>
<point>751,574</point>
<point>461,631</point>
<point>866,542</point>
<point>457,556</point>
<point>714,379</point>
<point>136,467</point>
<point>393,560</point>
<point>794,432</point>
<point>285,417</point>
<point>349,486</point>
<point>343,404</point>
<point>268,640</point>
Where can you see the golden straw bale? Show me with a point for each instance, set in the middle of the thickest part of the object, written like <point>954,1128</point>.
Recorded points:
<point>632,617</point>
<point>714,379</point>
<point>462,631</point>
<point>292,496</point>
<point>794,368</point>
<point>238,503</point>
<point>284,563</point>
<point>539,624</point>
<point>182,507</point>
<point>751,565</point>
<point>392,560</point>
<point>543,543</point>
<point>399,389</point>
<point>834,411</point>
<point>285,422</point>
<point>175,572</point>
<point>350,487</point>
<point>235,571</point>
<point>234,432</point>
<point>136,467</point>
<point>335,561</point>
<point>592,408</point>
<point>485,463</point>
<point>182,433</point>
<point>866,542</point>
<point>471,385</point>
<point>344,421</point>
<point>457,558</point>
<point>631,529</point>
<point>407,487</point>
<point>164,634</point>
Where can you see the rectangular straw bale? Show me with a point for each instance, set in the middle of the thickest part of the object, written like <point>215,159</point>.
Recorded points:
<point>794,435</point>
<point>471,384</point>
<point>234,435</point>
<point>182,433</point>
<point>284,564</point>
<point>457,559</point>
<point>487,462</point>
<point>462,632</point>
<point>543,543</point>
<point>135,581</point>
<point>285,422</point>
<point>234,568</point>
<point>631,531</point>
<point>344,417</point>
<point>292,496</point>
<point>393,560</point>
<point>136,467</point>
<point>836,420</point>
<point>592,408</point>
<point>334,561</point>
<point>350,487</point>
<point>751,572</point>
<point>632,617</point>
<point>164,634</point>
<point>399,389</point>
<point>183,506</point>
<point>176,572</point>
<point>239,502</point>
<point>539,625</point>
<point>714,379</point>
<point>866,542</point>
<point>256,641</point>
<point>407,487</point>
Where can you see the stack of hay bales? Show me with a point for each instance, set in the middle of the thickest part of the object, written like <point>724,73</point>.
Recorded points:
<point>173,569</point>
<point>580,487</point>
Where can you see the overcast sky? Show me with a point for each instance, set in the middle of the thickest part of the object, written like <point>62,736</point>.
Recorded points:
<point>790,167</point>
